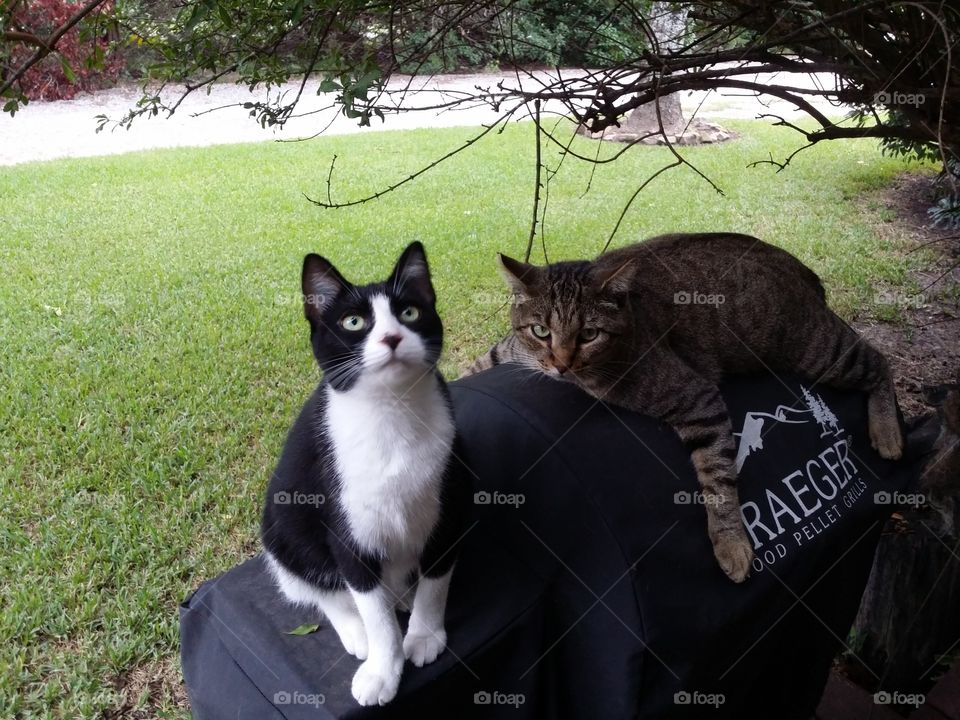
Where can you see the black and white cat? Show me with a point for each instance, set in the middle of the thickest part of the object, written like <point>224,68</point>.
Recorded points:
<point>368,499</point>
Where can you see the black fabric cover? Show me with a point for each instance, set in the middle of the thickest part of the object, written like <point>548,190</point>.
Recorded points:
<point>598,595</point>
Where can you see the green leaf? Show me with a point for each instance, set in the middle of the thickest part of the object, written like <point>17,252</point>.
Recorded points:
<point>96,58</point>
<point>297,13</point>
<point>371,77</point>
<point>304,629</point>
<point>197,13</point>
<point>328,85</point>
<point>225,18</point>
<point>68,71</point>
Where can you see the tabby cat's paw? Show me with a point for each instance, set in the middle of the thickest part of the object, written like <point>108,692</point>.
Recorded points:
<point>423,647</point>
<point>887,439</point>
<point>735,555</point>
<point>376,683</point>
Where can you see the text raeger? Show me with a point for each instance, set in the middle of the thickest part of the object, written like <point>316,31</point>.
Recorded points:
<point>818,487</point>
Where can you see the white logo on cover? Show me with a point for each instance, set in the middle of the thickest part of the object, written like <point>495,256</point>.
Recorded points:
<point>751,438</point>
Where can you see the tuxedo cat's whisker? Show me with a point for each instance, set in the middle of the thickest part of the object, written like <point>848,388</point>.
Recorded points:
<point>346,363</point>
<point>344,373</point>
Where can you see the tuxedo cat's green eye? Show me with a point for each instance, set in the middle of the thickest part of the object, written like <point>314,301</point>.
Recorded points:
<point>540,331</point>
<point>353,323</point>
<point>410,314</point>
<point>588,333</point>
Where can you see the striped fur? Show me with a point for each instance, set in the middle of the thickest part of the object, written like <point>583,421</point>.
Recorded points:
<point>654,326</point>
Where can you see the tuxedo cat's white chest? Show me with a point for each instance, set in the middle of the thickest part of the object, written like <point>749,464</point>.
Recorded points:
<point>390,450</point>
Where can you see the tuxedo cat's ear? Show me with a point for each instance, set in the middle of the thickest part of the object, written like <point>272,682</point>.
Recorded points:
<point>520,276</point>
<point>321,285</point>
<point>615,280</point>
<point>413,273</point>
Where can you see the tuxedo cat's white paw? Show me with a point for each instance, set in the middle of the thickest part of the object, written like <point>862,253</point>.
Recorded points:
<point>376,684</point>
<point>354,637</point>
<point>423,647</point>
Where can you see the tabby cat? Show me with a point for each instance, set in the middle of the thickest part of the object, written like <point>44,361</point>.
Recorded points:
<point>368,500</point>
<point>653,327</point>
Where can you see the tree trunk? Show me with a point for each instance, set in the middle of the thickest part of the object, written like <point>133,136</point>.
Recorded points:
<point>668,22</point>
<point>662,121</point>
<point>908,619</point>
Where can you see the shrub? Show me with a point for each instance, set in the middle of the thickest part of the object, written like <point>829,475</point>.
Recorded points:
<point>81,58</point>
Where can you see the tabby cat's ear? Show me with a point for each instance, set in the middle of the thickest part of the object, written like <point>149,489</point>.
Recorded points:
<point>412,273</point>
<point>321,285</point>
<point>520,276</point>
<point>616,279</point>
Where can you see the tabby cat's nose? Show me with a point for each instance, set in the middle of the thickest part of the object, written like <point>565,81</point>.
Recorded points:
<point>391,340</point>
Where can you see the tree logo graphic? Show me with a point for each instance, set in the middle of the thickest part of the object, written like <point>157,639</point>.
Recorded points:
<point>825,418</point>
<point>750,439</point>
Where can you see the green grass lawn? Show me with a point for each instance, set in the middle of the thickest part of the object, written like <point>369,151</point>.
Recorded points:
<point>153,350</point>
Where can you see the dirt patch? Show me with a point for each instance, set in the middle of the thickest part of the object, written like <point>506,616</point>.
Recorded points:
<point>148,689</point>
<point>924,349</point>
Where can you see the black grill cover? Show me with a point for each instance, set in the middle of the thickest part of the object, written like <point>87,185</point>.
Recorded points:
<point>586,585</point>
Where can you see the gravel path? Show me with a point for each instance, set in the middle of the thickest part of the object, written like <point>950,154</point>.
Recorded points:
<point>49,130</point>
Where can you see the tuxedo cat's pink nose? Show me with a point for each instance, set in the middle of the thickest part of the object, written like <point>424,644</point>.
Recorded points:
<point>391,340</point>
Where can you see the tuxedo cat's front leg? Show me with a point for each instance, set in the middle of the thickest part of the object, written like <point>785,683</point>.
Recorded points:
<point>426,637</point>
<point>426,634</point>
<point>378,677</point>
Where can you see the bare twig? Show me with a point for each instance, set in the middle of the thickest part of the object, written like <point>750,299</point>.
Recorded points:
<point>390,188</point>
<point>536,186</point>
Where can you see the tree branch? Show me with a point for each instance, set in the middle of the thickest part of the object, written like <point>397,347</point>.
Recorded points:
<point>23,37</point>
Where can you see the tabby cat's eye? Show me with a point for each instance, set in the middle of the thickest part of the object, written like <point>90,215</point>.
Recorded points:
<point>410,314</point>
<point>540,331</point>
<point>353,323</point>
<point>588,333</point>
